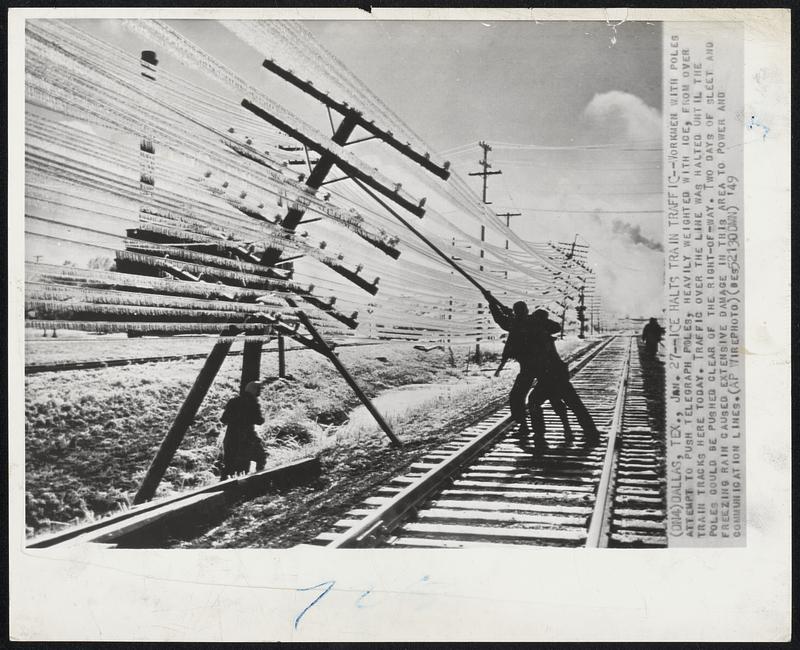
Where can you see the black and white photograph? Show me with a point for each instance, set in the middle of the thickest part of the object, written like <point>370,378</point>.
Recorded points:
<point>439,287</point>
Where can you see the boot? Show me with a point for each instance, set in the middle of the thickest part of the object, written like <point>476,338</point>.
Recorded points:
<point>591,438</point>
<point>521,435</point>
<point>522,431</point>
<point>540,443</point>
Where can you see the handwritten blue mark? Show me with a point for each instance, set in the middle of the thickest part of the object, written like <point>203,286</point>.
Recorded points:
<point>425,578</point>
<point>328,586</point>
<point>753,122</point>
<point>361,597</point>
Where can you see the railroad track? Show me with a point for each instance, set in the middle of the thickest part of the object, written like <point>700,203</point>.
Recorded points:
<point>36,368</point>
<point>484,488</point>
<point>95,364</point>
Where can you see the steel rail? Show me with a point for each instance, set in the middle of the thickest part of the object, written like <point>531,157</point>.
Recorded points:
<point>597,536</point>
<point>386,517</point>
<point>236,487</point>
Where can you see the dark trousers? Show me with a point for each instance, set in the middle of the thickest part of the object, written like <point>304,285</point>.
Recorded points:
<point>555,386</point>
<point>560,409</point>
<point>519,391</point>
<point>239,450</point>
<point>651,347</point>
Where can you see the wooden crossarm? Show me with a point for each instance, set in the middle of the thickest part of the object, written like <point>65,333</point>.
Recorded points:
<point>350,321</point>
<point>354,277</point>
<point>326,155</point>
<point>421,159</point>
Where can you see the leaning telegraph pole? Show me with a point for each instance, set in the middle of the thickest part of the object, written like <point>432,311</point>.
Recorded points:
<point>485,173</point>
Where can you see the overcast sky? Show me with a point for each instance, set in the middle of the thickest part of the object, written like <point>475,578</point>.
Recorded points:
<point>513,81</point>
<point>550,84</point>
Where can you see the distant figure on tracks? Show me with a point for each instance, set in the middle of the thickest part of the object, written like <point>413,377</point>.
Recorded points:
<point>241,443</point>
<point>651,337</point>
<point>530,342</point>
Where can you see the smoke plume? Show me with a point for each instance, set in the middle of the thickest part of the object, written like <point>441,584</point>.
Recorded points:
<point>634,233</point>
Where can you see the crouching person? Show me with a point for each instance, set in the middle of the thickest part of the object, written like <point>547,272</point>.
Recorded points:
<point>241,443</point>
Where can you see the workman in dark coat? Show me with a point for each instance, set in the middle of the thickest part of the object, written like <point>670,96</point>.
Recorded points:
<point>531,344</point>
<point>527,345</point>
<point>241,443</point>
<point>553,380</point>
<point>651,337</point>
<point>527,378</point>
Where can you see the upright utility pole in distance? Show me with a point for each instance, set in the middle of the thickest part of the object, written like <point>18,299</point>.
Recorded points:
<point>508,216</point>
<point>581,309</point>
<point>485,173</point>
<point>486,167</point>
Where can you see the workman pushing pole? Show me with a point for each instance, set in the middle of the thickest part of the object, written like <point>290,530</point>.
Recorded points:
<point>531,344</point>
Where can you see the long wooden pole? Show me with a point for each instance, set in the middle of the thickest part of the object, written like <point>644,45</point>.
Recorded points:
<point>281,357</point>
<point>323,347</point>
<point>174,437</point>
<point>364,399</point>
<point>422,237</point>
<point>251,361</point>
